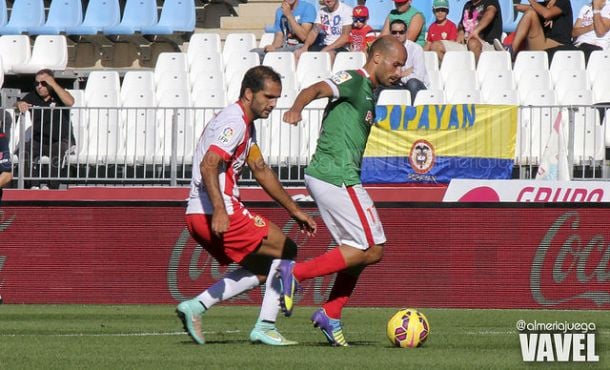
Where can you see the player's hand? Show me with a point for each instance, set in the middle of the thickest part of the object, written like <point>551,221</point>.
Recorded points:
<point>220,222</point>
<point>306,222</point>
<point>23,106</point>
<point>292,117</point>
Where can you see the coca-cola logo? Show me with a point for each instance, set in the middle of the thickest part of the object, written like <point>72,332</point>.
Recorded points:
<point>567,266</point>
<point>191,268</point>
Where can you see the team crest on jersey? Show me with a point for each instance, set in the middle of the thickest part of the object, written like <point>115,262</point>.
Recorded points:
<point>258,221</point>
<point>422,156</point>
<point>226,135</point>
<point>369,118</point>
<point>341,77</point>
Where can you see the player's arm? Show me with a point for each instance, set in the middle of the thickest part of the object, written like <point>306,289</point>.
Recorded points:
<point>5,178</point>
<point>210,167</point>
<point>601,24</point>
<point>268,180</point>
<point>341,41</point>
<point>316,91</point>
<point>547,13</point>
<point>62,93</point>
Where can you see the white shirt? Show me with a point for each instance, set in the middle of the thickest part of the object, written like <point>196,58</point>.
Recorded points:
<point>415,59</point>
<point>231,136</point>
<point>332,22</point>
<point>586,15</point>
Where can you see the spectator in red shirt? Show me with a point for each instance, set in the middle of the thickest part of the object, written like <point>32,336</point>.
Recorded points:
<point>361,35</point>
<point>442,28</point>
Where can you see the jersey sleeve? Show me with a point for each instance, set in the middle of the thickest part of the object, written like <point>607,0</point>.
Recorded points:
<point>225,138</point>
<point>345,84</point>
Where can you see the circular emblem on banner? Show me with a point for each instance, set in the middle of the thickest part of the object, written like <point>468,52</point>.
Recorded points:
<point>422,156</point>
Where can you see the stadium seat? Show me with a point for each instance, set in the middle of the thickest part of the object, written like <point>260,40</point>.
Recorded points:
<point>313,65</point>
<point>378,12</point>
<point>589,137</point>
<point>136,15</point>
<point>49,51</point>
<point>435,80</point>
<point>210,63</point>
<point>348,60</point>
<point>499,97</point>
<point>532,80</point>
<point>62,14</point>
<point>571,80</point>
<point>431,61</point>
<point>78,118</point>
<point>266,39</point>
<point>425,97</point>
<point>25,14</point>
<point>237,43</point>
<point>566,60</point>
<point>394,97</point>
<point>99,14</point>
<point>139,121</point>
<point>498,80</point>
<point>176,16</point>
<point>201,45</point>
<point>460,80</point>
<point>105,137</point>
<point>141,80</point>
<point>457,60</point>
<point>576,97</point>
<point>530,60</point>
<point>15,51</point>
<point>234,87</point>
<point>209,80</point>
<point>170,62</point>
<point>599,61</point>
<point>493,60</point>
<point>102,81</point>
<point>173,80</point>
<point>241,62</point>
<point>207,104</point>
<point>464,96</point>
<point>281,61</point>
<point>601,92</point>
<point>535,125</point>
<point>175,102</point>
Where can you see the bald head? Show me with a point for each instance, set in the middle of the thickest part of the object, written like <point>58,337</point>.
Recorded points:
<point>385,59</point>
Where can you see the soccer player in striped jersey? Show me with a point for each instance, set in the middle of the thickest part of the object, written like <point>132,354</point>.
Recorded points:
<point>219,221</point>
<point>333,180</point>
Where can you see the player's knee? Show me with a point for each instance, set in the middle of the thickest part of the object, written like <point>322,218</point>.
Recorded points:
<point>289,252</point>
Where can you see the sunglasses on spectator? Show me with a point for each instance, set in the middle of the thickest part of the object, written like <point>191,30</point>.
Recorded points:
<point>359,19</point>
<point>43,83</point>
<point>398,32</point>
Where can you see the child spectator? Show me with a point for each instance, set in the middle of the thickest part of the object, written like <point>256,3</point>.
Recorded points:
<point>442,28</point>
<point>361,35</point>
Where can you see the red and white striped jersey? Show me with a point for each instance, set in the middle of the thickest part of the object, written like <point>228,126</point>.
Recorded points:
<point>231,136</point>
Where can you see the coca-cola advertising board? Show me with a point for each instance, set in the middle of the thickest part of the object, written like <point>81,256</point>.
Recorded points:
<point>437,255</point>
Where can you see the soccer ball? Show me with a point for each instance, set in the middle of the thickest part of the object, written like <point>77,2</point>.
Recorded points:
<point>408,328</point>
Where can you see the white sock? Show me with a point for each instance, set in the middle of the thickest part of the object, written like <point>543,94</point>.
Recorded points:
<point>271,300</point>
<point>232,284</point>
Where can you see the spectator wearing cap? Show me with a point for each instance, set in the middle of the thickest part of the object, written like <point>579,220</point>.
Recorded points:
<point>293,21</point>
<point>413,18</point>
<point>442,28</point>
<point>330,32</point>
<point>414,76</point>
<point>361,35</point>
<point>591,30</point>
<point>480,24</point>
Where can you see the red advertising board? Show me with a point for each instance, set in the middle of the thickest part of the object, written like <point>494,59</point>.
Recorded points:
<point>437,255</point>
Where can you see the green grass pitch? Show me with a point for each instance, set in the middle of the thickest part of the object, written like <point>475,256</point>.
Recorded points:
<point>150,337</point>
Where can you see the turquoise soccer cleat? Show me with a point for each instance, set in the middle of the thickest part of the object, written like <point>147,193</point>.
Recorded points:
<point>189,312</point>
<point>267,333</point>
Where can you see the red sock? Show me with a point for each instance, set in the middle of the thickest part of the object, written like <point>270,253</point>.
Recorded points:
<point>326,264</point>
<point>339,295</point>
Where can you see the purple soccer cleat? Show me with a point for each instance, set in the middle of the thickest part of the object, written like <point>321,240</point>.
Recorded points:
<point>331,328</point>
<point>289,286</point>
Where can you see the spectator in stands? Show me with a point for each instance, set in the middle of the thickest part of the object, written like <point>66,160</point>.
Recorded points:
<point>591,30</point>
<point>5,163</point>
<point>331,31</point>
<point>442,28</point>
<point>51,133</point>
<point>293,21</point>
<point>413,18</point>
<point>543,26</point>
<point>480,25</point>
<point>361,35</point>
<point>414,76</point>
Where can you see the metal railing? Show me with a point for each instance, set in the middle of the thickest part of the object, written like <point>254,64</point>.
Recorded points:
<point>154,146</point>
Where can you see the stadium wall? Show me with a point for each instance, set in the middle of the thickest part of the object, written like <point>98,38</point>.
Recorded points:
<point>119,251</point>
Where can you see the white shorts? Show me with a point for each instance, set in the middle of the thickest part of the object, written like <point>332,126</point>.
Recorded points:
<point>348,212</point>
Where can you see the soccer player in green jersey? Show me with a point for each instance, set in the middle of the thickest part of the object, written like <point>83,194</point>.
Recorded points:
<point>333,180</point>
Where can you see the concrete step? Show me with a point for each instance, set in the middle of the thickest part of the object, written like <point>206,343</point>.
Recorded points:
<point>246,22</point>
<point>257,9</point>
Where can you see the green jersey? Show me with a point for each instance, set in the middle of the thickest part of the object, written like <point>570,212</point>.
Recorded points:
<point>345,129</point>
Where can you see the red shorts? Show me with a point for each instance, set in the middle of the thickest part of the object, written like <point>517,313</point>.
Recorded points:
<point>245,234</point>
